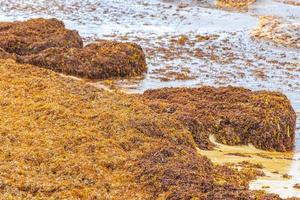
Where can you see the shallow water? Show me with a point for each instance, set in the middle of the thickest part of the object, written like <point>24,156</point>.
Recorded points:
<point>230,57</point>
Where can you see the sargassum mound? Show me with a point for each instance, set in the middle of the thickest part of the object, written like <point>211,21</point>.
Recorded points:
<point>35,35</point>
<point>100,60</point>
<point>274,29</point>
<point>234,115</point>
<point>47,43</point>
<point>234,3</point>
<point>64,139</point>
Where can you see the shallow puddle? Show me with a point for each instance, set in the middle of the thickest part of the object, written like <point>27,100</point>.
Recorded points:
<point>227,56</point>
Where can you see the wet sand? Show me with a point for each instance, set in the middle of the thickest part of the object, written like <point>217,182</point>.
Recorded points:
<point>274,164</point>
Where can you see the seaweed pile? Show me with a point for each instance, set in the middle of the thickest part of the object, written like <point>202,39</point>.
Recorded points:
<point>62,138</point>
<point>47,43</point>
<point>234,3</point>
<point>104,59</point>
<point>278,31</point>
<point>291,2</point>
<point>233,115</point>
<point>35,35</point>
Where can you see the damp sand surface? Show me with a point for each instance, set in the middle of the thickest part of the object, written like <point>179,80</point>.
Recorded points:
<point>281,169</point>
<point>218,50</point>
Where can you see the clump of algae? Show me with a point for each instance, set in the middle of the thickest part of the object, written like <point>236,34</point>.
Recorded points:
<point>234,115</point>
<point>35,35</point>
<point>277,30</point>
<point>47,43</point>
<point>234,3</point>
<point>182,40</point>
<point>104,59</point>
<point>64,139</point>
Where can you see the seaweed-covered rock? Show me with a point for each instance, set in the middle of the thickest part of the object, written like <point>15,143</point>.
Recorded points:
<point>279,31</point>
<point>234,115</point>
<point>64,139</point>
<point>104,59</point>
<point>234,3</point>
<point>35,35</point>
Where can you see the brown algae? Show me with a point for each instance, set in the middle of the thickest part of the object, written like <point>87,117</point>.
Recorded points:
<point>62,138</point>
<point>35,35</point>
<point>235,116</point>
<point>47,43</point>
<point>99,60</point>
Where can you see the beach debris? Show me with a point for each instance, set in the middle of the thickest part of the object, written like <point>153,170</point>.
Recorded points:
<point>238,154</point>
<point>286,176</point>
<point>291,2</point>
<point>281,32</point>
<point>182,39</point>
<point>248,164</point>
<point>234,3</point>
